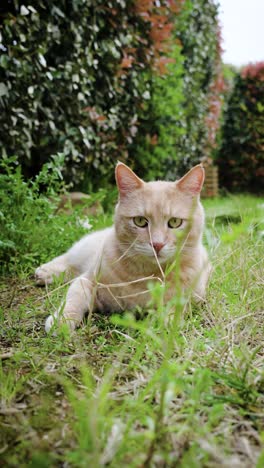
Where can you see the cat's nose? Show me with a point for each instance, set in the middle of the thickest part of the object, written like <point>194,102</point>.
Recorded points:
<point>157,246</point>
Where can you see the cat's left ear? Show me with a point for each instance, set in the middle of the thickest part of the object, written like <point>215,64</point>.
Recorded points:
<point>192,182</point>
<point>126,180</point>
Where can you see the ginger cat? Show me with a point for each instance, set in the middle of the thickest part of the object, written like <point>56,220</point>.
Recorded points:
<point>154,222</point>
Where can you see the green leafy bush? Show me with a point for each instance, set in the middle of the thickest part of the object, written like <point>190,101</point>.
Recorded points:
<point>184,116</point>
<point>198,34</point>
<point>241,154</point>
<point>154,153</point>
<point>32,231</point>
<point>74,79</point>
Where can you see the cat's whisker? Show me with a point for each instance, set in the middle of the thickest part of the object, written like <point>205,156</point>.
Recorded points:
<point>125,253</point>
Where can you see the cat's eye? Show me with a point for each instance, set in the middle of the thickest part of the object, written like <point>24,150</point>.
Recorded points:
<point>140,221</point>
<point>174,223</point>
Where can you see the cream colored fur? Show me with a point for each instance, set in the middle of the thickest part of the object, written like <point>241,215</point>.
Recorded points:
<point>113,266</point>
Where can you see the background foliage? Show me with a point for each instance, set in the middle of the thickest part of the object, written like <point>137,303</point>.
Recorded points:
<point>100,82</point>
<point>199,35</point>
<point>183,120</point>
<point>241,155</point>
<point>32,227</point>
<point>73,80</point>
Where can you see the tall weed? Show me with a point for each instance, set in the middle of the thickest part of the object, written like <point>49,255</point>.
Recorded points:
<point>31,230</point>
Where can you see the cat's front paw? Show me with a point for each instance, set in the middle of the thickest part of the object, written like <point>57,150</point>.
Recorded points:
<point>49,324</point>
<point>43,275</point>
<point>53,321</point>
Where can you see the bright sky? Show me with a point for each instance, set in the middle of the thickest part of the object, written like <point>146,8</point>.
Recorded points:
<point>242,24</point>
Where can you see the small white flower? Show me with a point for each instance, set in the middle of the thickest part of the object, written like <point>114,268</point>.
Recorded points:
<point>24,11</point>
<point>84,222</point>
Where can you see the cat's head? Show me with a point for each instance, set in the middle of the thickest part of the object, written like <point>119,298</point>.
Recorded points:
<point>151,216</point>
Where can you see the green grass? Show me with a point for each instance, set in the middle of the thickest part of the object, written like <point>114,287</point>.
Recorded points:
<point>140,393</point>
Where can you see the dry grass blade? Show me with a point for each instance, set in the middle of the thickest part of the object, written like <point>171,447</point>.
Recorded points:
<point>155,254</point>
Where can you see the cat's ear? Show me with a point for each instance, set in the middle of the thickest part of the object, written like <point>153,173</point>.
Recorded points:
<point>126,180</point>
<point>192,182</point>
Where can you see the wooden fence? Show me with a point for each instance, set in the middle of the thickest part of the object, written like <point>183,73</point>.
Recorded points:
<point>210,188</point>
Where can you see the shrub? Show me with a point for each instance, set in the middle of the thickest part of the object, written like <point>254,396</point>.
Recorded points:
<point>74,78</point>
<point>186,102</point>
<point>154,153</point>
<point>198,32</point>
<point>241,154</point>
<point>31,230</point>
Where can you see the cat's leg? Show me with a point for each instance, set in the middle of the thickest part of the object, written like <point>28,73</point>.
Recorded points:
<point>45,273</point>
<point>79,300</point>
<point>199,294</point>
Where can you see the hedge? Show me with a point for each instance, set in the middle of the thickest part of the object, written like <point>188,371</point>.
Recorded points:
<point>186,102</point>
<point>241,154</point>
<point>85,78</point>
<point>74,79</point>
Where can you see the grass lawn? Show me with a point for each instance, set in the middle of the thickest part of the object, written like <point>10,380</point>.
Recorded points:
<point>139,393</point>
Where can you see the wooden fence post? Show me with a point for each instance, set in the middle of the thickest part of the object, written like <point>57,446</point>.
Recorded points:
<point>210,188</point>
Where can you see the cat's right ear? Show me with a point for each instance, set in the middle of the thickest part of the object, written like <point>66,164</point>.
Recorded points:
<point>192,182</point>
<point>126,180</point>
